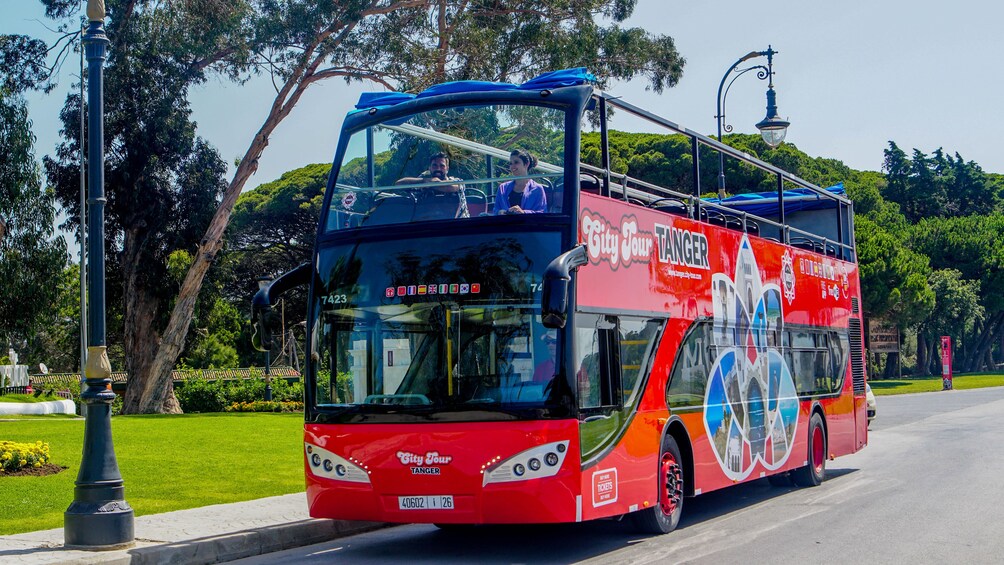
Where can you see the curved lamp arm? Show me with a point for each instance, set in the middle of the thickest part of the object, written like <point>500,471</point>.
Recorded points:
<point>266,296</point>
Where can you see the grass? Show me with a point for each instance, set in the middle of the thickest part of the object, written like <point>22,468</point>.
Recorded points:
<point>28,398</point>
<point>167,462</point>
<point>932,384</point>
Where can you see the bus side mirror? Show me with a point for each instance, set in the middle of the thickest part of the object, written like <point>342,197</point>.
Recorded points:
<point>268,293</point>
<point>557,276</point>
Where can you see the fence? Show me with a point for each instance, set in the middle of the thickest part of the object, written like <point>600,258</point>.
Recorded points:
<point>120,379</point>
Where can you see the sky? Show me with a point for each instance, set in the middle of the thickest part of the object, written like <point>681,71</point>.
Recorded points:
<point>850,76</point>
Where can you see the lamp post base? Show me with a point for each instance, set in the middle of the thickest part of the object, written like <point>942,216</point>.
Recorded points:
<point>98,526</point>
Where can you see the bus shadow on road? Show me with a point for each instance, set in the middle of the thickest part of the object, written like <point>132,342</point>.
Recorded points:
<point>561,543</point>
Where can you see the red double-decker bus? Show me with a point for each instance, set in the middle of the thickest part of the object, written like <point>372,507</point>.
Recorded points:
<point>603,342</point>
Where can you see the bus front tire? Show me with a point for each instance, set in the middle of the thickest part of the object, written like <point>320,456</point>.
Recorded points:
<point>815,469</point>
<point>664,516</point>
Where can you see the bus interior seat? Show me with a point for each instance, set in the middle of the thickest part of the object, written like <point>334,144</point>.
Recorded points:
<point>673,206</point>
<point>391,210</point>
<point>437,207</point>
<point>806,243</point>
<point>477,202</point>
<point>589,183</point>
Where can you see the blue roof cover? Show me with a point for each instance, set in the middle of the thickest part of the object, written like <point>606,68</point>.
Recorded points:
<point>765,203</point>
<point>553,79</point>
<point>558,79</point>
<point>465,86</point>
<point>377,99</point>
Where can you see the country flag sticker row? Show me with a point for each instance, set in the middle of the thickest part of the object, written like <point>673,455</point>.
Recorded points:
<point>426,289</point>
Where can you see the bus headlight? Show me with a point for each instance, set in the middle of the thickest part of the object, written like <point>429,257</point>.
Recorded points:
<point>526,465</point>
<point>335,467</point>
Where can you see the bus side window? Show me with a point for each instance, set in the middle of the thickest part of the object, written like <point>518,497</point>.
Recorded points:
<point>598,361</point>
<point>637,336</point>
<point>690,370</point>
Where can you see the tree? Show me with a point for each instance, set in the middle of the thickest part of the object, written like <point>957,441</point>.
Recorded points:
<point>32,258</point>
<point>957,313</point>
<point>938,185</point>
<point>162,183</point>
<point>974,246</point>
<point>400,44</point>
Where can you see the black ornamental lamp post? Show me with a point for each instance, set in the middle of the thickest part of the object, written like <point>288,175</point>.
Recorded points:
<point>772,128</point>
<point>99,518</point>
<point>263,283</point>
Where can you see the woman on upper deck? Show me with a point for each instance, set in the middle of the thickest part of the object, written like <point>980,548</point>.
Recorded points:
<point>520,196</point>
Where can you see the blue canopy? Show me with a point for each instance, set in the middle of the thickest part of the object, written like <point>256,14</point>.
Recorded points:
<point>465,86</point>
<point>553,79</point>
<point>377,99</point>
<point>558,79</point>
<point>764,204</point>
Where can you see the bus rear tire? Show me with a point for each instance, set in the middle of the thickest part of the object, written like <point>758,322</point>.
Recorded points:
<point>815,469</point>
<point>664,516</point>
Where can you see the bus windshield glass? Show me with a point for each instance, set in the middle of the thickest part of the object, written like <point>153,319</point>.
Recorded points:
<point>434,324</point>
<point>449,164</point>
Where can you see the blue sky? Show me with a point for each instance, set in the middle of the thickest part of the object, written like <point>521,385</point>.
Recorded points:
<point>850,76</point>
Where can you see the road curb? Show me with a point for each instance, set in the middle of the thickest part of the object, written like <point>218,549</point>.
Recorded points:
<point>227,547</point>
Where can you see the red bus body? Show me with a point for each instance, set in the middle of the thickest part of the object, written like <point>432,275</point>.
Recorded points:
<point>757,340</point>
<point>624,479</point>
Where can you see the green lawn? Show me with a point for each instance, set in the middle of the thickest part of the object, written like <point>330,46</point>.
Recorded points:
<point>29,398</point>
<point>931,384</point>
<point>168,463</point>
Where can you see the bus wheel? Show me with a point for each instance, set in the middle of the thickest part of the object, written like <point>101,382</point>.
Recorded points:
<point>812,474</point>
<point>664,516</point>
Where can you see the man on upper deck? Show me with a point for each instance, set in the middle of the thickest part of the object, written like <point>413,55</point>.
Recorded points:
<point>439,171</point>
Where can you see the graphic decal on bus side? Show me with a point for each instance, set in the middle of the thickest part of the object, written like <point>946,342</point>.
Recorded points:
<point>750,404</point>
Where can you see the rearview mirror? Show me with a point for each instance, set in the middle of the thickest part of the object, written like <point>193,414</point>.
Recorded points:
<point>557,276</point>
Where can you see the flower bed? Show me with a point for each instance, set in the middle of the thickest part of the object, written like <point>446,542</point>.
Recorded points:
<point>17,456</point>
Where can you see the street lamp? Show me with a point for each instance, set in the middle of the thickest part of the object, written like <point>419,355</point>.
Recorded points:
<point>263,283</point>
<point>99,518</point>
<point>772,127</point>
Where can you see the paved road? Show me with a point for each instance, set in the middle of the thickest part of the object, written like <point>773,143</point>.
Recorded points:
<point>926,490</point>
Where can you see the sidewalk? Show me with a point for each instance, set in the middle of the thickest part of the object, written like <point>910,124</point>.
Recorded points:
<point>211,534</point>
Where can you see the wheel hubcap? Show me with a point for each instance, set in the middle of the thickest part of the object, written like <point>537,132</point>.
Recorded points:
<point>672,490</point>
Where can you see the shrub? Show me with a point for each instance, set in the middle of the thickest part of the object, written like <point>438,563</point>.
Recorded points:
<point>265,406</point>
<point>17,456</point>
<point>199,395</point>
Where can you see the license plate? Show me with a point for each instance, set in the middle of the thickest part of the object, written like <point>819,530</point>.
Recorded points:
<point>434,502</point>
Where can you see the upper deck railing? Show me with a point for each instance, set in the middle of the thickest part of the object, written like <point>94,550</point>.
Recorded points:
<point>834,240</point>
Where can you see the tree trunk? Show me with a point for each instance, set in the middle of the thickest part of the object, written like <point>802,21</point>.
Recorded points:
<point>157,388</point>
<point>923,366</point>
<point>139,321</point>
<point>891,366</point>
<point>982,344</point>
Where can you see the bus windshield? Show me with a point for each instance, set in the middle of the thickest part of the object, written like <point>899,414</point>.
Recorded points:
<point>447,164</point>
<point>434,324</point>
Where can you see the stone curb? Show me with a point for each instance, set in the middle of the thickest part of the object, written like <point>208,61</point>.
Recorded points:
<point>222,548</point>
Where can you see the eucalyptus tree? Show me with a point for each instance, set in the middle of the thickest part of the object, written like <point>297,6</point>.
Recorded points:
<point>394,44</point>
